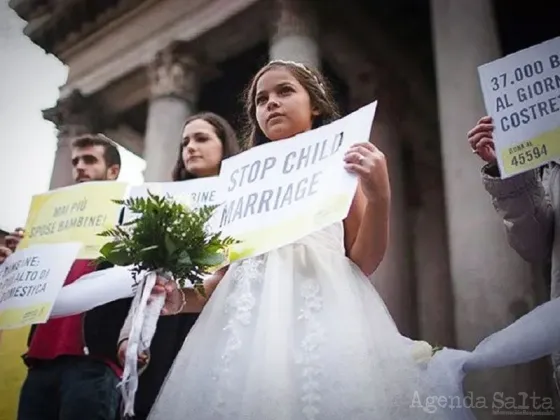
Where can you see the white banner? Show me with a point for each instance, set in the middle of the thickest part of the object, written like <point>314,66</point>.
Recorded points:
<point>279,192</point>
<point>193,193</point>
<point>30,280</point>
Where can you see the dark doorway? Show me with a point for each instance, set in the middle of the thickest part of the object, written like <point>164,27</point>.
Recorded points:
<point>224,95</point>
<point>522,25</point>
<point>339,87</point>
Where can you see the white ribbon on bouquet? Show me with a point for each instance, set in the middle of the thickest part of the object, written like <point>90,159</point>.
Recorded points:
<point>145,316</point>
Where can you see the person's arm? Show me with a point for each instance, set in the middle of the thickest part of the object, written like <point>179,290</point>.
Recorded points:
<point>526,210</point>
<point>13,239</point>
<point>194,302</point>
<point>367,231</point>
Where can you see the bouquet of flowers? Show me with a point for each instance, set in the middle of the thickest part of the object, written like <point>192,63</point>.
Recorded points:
<point>166,239</point>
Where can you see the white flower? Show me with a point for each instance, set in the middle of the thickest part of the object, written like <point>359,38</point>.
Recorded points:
<point>421,352</point>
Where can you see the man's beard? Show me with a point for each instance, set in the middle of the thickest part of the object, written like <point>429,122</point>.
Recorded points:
<point>102,177</point>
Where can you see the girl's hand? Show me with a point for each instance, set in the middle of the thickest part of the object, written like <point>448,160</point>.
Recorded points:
<point>369,163</point>
<point>174,297</point>
<point>482,141</point>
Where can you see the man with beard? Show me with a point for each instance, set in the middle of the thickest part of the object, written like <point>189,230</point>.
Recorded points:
<point>73,370</point>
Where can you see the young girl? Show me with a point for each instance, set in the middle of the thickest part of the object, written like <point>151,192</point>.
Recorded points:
<point>300,332</point>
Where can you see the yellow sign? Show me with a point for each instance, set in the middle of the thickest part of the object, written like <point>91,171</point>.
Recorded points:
<point>13,343</point>
<point>74,214</point>
<point>530,154</point>
<point>19,317</point>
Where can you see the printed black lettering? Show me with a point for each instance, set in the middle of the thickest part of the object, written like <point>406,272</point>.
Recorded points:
<point>554,61</point>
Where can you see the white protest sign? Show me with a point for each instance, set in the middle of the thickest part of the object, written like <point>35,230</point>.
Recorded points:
<point>522,95</point>
<point>193,193</point>
<point>30,280</point>
<point>279,192</point>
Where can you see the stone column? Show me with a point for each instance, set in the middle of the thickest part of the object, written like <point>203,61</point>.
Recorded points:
<point>174,85</point>
<point>431,253</point>
<point>392,278</point>
<point>295,33</point>
<point>73,116</point>
<point>492,285</point>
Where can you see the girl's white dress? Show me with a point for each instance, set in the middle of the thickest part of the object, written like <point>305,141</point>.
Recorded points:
<point>301,334</point>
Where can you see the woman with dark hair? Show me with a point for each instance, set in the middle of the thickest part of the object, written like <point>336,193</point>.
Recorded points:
<point>207,139</point>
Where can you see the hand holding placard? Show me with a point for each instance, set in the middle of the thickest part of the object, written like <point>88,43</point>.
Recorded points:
<point>522,95</point>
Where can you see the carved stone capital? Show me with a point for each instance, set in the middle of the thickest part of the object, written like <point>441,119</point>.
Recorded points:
<point>67,133</point>
<point>175,71</point>
<point>294,17</point>
<point>73,116</point>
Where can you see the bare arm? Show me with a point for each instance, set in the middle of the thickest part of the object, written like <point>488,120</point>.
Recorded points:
<point>367,231</point>
<point>194,302</point>
<point>526,210</point>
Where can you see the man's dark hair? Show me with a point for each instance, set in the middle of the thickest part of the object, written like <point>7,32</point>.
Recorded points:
<point>111,152</point>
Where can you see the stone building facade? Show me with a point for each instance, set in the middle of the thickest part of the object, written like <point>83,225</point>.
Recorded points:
<point>138,68</point>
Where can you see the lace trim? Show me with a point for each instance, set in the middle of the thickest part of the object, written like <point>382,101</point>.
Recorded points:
<point>310,348</point>
<point>239,305</point>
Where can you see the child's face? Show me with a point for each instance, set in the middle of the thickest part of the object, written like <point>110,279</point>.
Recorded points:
<point>283,107</point>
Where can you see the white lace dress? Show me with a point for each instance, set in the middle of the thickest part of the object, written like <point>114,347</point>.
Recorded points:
<point>301,334</point>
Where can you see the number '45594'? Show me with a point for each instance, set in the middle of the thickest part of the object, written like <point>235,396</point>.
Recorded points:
<point>529,155</point>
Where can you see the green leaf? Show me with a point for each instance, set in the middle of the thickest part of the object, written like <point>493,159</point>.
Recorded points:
<point>148,248</point>
<point>119,256</point>
<point>211,260</point>
<point>199,288</point>
<point>184,258</point>
<point>107,249</point>
<point>166,235</point>
<point>170,246</point>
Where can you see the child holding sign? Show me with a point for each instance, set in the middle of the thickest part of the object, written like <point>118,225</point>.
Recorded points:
<point>300,332</point>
